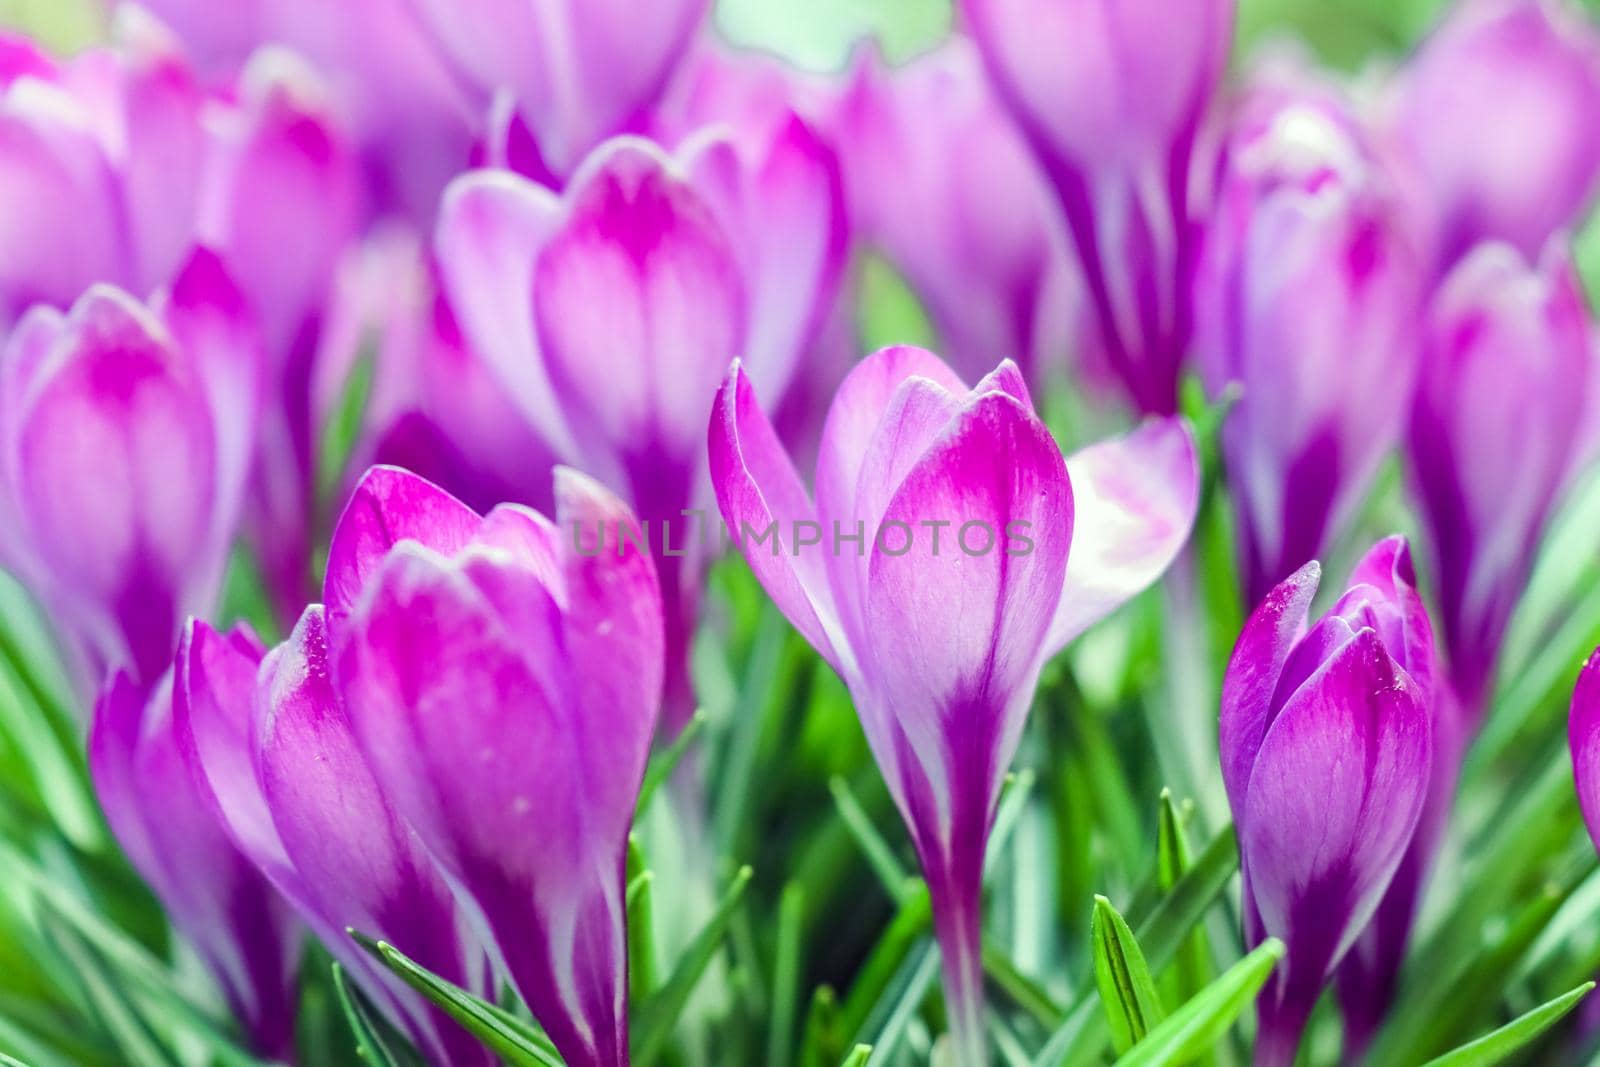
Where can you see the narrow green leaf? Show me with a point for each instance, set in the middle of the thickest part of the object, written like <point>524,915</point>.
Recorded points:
<point>1192,970</point>
<point>1127,991</point>
<point>659,1015</point>
<point>1496,1045</point>
<point>858,1056</point>
<point>375,1041</point>
<point>663,763</point>
<point>641,924</point>
<point>342,427</point>
<point>1083,1037</point>
<point>878,852</point>
<point>508,1037</point>
<point>822,1029</point>
<point>786,967</point>
<point>1196,1026</point>
<point>888,1022</point>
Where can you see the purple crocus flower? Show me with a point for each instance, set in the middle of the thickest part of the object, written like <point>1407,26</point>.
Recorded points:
<point>1326,737</point>
<point>1496,111</point>
<point>502,677</point>
<point>242,929</point>
<point>949,552</point>
<point>643,288</point>
<point>1113,97</point>
<point>578,71</point>
<point>1306,297</point>
<point>414,123</point>
<point>122,163</point>
<point>944,186</point>
<point>270,748</point>
<point>126,433</point>
<point>1497,429</point>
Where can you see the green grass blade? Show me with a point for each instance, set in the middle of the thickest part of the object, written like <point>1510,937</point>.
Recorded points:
<point>1195,1027</point>
<point>1496,1045</point>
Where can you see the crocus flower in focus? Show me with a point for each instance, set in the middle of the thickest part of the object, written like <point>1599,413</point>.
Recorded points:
<point>1306,297</point>
<point>502,677</point>
<point>275,760</point>
<point>1113,97</point>
<point>944,185</point>
<point>610,314</point>
<point>578,71</point>
<point>949,552</point>
<point>1497,111</point>
<point>126,436</point>
<point>1496,431</point>
<point>241,928</point>
<point>1326,738</point>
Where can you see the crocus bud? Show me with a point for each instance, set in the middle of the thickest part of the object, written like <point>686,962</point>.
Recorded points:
<point>610,314</point>
<point>933,573</point>
<point>240,927</point>
<point>502,677</point>
<point>126,435</point>
<point>1113,97</point>
<point>1496,431</point>
<point>275,760</point>
<point>578,70</point>
<point>1306,298</point>
<point>1325,737</point>
<point>942,183</point>
<point>1496,111</point>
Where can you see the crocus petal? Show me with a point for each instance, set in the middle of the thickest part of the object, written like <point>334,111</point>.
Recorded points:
<point>475,746</point>
<point>282,167</point>
<point>1349,755</point>
<point>758,489</point>
<point>613,635</point>
<point>1583,734</point>
<point>1264,646</point>
<point>858,408</point>
<point>957,628</point>
<point>1387,567</point>
<point>388,506</point>
<point>639,307</point>
<point>1135,500</point>
<point>215,679</point>
<point>491,227</point>
<point>356,863</point>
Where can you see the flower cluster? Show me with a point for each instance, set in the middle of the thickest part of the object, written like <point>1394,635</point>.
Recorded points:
<point>478,341</point>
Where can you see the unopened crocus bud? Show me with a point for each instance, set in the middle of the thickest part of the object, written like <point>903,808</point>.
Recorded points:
<point>269,745</point>
<point>126,436</point>
<point>1114,96</point>
<point>933,573</point>
<point>1496,111</point>
<point>579,71</point>
<point>1306,299</point>
<point>1326,739</point>
<point>216,897</point>
<point>610,313</point>
<point>502,677</point>
<point>1497,429</point>
<point>942,183</point>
